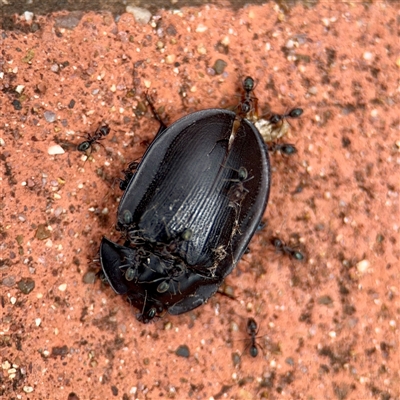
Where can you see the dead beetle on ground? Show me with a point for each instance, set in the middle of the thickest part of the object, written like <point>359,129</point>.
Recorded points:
<point>188,212</point>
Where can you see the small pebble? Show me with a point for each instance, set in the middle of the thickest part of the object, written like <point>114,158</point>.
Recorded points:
<point>363,266</point>
<point>69,21</point>
<point>42,232</point>
<point>141,15</point>
<point>89,277</point>
<point>201,49</point>
<point>170,59</point>
<point>325,300</point>
<point>55,149</point>
<point>62,287</point>
<point>183,351</point>
<point>17,105</point>
<point>20,88</point>
<point>28,16</point>
<point>219,66</point>
<point>368,56</point>
<point>9,281</point>
<point>201,28</point>
<point>26,285</point>
<point>313,90</point>
<point>49,116</point>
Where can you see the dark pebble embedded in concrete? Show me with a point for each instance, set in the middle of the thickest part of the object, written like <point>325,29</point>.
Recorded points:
<point>26,285</point>
<point>73,396</point>
<point>183,351</point>
<point>59,351</point>
<point>17,105</point>
<point>114,390</point>
<point>42,233</point>
<point>219,66</point>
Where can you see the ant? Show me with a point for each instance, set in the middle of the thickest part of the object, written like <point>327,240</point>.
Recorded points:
<point>285,148</point>
<point>248,102</point>
<point>101,131</point>
<point>252,330</point>
<point>282,247</point>
<point>247,108</point>
<point>129,172</point>
<point>294,113</point>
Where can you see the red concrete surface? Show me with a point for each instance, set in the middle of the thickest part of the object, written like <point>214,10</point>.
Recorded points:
<point>328,326</point>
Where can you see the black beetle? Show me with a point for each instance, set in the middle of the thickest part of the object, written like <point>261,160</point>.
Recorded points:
<point>188,213</point>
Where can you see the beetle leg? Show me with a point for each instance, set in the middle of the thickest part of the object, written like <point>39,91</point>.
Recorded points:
<point>163,126</point>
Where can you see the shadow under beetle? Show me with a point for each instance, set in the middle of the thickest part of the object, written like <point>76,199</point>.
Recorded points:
<point>188,213</point>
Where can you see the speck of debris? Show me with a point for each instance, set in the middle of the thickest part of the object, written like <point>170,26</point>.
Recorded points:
<point>114,390</point>
<point>289,361</point>
<point>219,66</point>
<point>325,300</point>
<point>73,396</point>
<point>26,285</point>
<point>49,116</point>
<point>89,277</point>
<point>235,359</point>
<point>71,104</point>
<point>42,233</point>
<point>183,351</point>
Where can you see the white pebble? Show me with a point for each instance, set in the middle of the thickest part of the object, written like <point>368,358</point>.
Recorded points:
<point>141,15</point>
<point>28,389</point>
<point>20,88</point>
<point>201,28</point>
<point>363,266</point>
<point>55,149</point>
<point>28,16</point>
<point>368,56</point>
<point>62,287</point>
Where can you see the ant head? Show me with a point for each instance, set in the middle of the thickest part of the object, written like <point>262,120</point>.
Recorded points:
<point>248,84</point>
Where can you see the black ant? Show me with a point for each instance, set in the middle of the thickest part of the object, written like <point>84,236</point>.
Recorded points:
<point>129,172</point>
<point>294,113</point>
<point>247,108</point>
<point>252,330</point>
<point>285,148</point>
<point>101,131</point>
<point>282,247</point>
<point>248,102</point>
